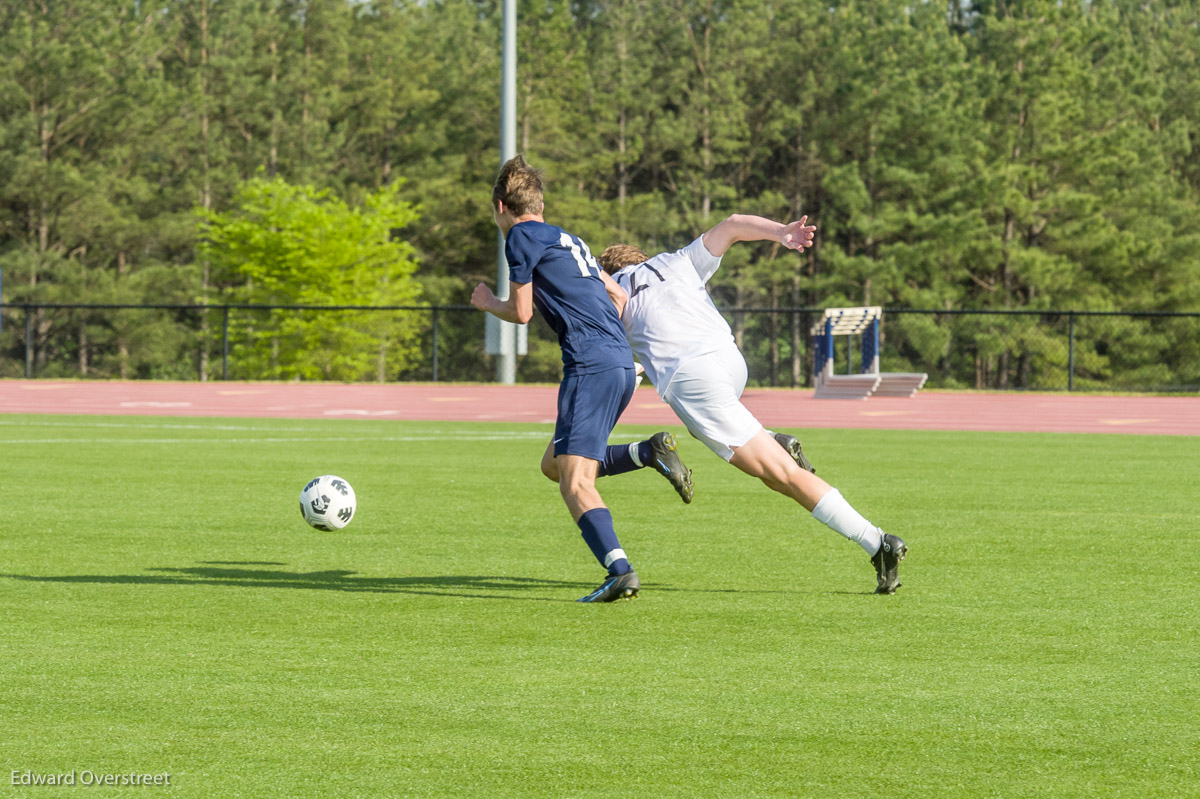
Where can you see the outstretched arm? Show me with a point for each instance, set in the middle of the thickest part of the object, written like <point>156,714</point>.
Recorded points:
<point>517,308</point>
<point>743,227</point>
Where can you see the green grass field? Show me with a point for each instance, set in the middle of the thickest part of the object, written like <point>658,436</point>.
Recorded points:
<point>167,611</point>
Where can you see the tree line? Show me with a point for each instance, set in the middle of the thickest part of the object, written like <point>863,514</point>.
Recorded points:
<point>983,155</point>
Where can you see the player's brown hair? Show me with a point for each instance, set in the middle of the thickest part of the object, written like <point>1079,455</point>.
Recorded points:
<point>618,256</point>
<point>519,187</point>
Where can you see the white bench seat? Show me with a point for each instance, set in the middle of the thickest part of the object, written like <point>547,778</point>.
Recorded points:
<point>900,384</point>
<point>847,386</point>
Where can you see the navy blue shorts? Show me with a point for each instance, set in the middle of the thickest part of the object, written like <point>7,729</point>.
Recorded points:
<point>588,408</point>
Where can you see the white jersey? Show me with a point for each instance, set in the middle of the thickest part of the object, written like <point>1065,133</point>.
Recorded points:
<point>670,318</point>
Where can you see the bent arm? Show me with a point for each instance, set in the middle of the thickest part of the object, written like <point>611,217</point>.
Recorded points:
<point>745,227</point>
<point>517,308</point>
<point>615,292</point>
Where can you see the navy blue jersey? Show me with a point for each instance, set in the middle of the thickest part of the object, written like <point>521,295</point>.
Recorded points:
<point>568,291</point>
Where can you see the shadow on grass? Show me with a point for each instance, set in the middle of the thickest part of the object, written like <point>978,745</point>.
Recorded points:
<point>242,563</point>
<point>221,573</point>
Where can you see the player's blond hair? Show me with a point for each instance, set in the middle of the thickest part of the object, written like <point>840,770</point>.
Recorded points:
<point>618,256</point>
<point>519,187</point>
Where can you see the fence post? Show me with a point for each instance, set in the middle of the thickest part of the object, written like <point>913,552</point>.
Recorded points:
<point>225,345</point>
<point>28,341</point>
<point>1071,351</point>
<point>202,350</point>
<point>435,344</point>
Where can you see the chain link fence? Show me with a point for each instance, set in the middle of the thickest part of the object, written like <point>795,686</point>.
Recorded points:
<point>963,349</point>
<point>994,350</point>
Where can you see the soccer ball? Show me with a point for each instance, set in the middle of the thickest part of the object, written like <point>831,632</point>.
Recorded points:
<point>327,502</point>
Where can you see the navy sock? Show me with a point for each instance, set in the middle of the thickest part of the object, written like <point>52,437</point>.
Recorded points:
<point>596,526</point>
<point>618,459</point>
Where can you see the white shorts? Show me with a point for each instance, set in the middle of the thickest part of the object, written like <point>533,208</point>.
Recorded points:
<point>705,394</point>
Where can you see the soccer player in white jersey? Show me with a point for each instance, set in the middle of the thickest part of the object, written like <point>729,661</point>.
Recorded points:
<point>689,354</point>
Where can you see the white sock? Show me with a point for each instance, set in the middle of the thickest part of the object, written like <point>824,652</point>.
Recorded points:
<point>835,513</point>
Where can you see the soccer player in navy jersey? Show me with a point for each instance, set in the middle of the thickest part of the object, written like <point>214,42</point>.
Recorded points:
<point>554,270</point>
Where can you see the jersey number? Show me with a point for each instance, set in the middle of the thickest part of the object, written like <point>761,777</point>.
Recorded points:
<point>582,255</point>
<point>638,288</point>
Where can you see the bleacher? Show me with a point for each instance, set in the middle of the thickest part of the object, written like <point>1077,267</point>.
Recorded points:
<point>870,382</point>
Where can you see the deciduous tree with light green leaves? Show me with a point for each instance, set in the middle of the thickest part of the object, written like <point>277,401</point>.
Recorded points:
<point>282,244</point>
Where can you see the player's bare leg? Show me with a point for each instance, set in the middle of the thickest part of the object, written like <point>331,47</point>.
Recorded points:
<point>576,478</point>
<point>549,463</point>
<point>577,484</point>
<point>764,458</point>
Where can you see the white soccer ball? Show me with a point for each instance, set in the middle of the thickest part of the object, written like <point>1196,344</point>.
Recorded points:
<point>327,502</point>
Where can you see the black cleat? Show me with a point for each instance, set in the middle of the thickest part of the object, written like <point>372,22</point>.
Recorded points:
<point>617,586</point>
<point>669,465</point>
<point>890,553</point>
<point>792,445</point>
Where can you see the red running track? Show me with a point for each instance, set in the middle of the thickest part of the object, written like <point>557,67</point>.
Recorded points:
<point>929,410</point>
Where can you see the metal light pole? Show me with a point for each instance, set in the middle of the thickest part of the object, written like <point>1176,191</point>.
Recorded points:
<point>506,332</point>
